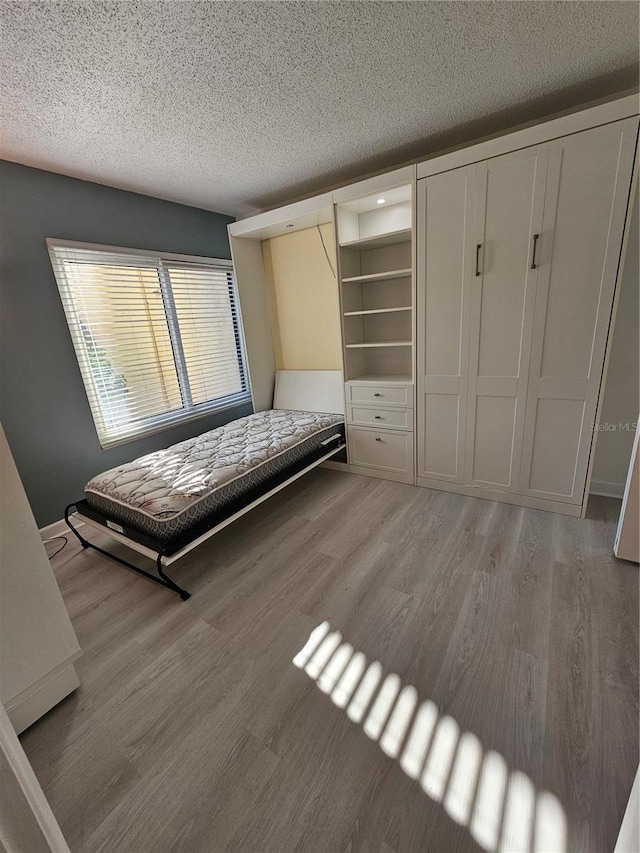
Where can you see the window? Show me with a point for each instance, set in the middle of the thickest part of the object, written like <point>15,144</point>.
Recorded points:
<point>158,337</point>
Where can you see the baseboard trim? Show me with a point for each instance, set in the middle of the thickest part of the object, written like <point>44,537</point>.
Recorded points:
<point>57,528</point>
<point>381,474</point>
<point>502,497</point>
<point>606,489</point>
<point>336,466</point>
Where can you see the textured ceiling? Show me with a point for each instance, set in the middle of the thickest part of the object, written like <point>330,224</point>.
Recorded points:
<point>239,106</point>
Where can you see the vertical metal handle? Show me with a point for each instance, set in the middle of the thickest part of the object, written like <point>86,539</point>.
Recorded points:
<point>478,247</point>
<point>536,237</point>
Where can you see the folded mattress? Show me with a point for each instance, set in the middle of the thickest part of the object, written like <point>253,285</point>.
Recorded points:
<point>165,493</point>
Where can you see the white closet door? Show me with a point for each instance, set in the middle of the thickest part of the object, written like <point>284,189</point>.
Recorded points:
<point>589,177</point>
<point>508,219</point>
<point>445,259</point>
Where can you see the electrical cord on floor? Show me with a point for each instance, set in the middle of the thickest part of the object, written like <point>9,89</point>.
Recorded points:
<point>54,539</point>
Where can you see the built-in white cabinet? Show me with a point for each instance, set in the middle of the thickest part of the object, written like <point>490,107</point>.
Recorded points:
<point>446,258</point>
<point>475,295</point>
<point>517,264</point>
<point>507,224</point>
<point>381,453</point>
<point>380,428</point>
<point>479,227</point>
<point>584,216</point>
<point>38,645</point>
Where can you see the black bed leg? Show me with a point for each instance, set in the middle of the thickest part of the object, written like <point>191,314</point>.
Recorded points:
<point>78,536</point>
<point>184,595</point>
<point>161,578</point>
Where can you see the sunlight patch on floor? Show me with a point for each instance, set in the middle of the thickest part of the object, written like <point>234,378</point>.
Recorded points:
<point>501,808</point>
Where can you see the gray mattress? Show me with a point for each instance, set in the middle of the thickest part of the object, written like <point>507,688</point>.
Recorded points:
<point>165,493</point>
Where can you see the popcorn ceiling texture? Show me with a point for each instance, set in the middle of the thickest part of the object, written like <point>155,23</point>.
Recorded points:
<point>239,106</point>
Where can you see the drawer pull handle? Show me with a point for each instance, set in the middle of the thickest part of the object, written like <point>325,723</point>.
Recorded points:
<point>376,394</point>
<point>378,439</point>
<point>378,417</point>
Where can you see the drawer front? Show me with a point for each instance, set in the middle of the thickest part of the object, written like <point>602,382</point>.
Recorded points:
<point>380,395</point>
<point>383,418</point>
<point>389,451</point>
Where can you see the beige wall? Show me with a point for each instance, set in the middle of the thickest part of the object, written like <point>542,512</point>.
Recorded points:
<point>621,403</point>
<point>302,294</point>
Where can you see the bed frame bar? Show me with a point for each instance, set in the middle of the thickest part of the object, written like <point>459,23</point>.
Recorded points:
<point>161,578</point>
<point>166,555</point>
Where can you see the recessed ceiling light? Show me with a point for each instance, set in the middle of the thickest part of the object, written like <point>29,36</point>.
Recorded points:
<point>381,200</point>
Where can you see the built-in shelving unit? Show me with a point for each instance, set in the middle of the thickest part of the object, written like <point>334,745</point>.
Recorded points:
<point>375,260</point>
<point>376,283</point>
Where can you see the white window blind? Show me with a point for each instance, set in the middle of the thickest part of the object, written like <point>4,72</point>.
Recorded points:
<point>158,337</point>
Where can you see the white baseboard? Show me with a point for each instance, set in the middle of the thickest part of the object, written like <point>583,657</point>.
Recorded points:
<point>336,466</point>
<point>606,489</point>
<point>58,528</point>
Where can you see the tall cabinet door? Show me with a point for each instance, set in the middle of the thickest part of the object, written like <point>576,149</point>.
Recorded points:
<point>508,219</point>
<point>585,208</point>
<point>445,264</point>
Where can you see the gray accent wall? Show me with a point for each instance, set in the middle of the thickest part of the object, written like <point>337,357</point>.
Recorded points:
<point>43,405</point>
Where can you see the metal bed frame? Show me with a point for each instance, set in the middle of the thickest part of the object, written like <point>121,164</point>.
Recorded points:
<point>167,553</point>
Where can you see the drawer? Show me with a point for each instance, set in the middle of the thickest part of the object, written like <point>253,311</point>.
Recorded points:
<point>383,418</point>
<point>380,395</point>
<point>389,451</point>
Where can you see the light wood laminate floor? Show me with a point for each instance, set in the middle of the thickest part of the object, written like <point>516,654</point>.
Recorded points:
<point>508,636</point>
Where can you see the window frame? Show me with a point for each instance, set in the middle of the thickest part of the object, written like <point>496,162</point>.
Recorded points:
<point>189,411</point>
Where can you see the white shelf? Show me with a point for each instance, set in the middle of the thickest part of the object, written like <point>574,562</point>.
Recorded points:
<point>388,239</point>
<point>377,311</point>
<point>377,378</point>
<point>378,276</point>
<point>369,344</point>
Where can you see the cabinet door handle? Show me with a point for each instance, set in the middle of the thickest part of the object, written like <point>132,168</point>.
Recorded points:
<point>378,439</point>
<point>478,247</point>
<point>536,237</point>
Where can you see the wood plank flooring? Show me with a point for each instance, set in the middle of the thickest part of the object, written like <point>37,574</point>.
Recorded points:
<point>515,629</point>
